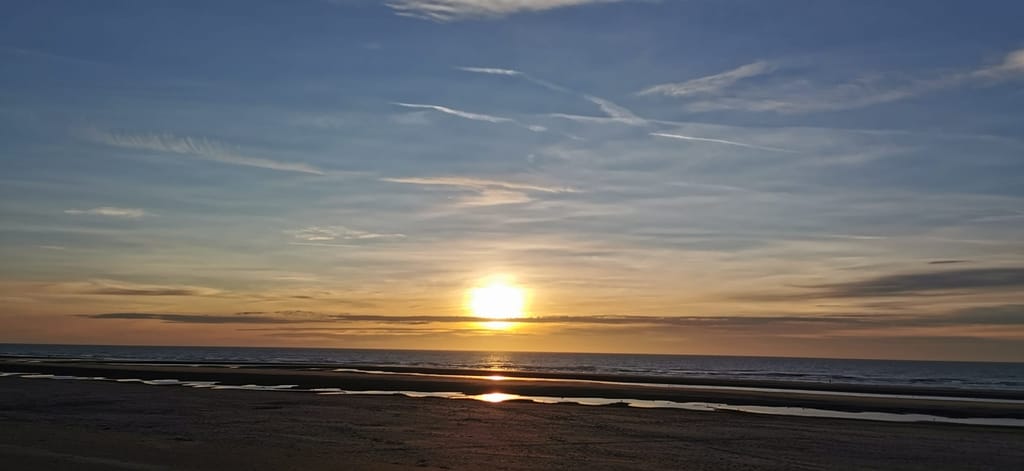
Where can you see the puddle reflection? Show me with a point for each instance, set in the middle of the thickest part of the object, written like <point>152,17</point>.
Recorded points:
<point>499,397</point>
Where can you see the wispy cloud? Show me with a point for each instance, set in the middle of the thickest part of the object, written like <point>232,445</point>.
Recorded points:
<point>620,115</point>
<point>711,83</point>
<point>615,112</point>
<point>472,116</point>
<point>17,51</point>
<point>329,233</point>
<point>1012,65</point>
<point>494,197</point>
<point>462,114</point>
<point>994,315</point>
<point>195,147</point>
<point>909,284</point>
<point>453,10</point>
<point>109,211</point>
<point>492,71</point>
<point>322,244</point>
<point>962,282</point>
<point>480,183</point>
<point>486,192</point>
<point>716,141</point>
<point>195,318</point>
<point>123,288</point>
<point>805,96</point>
<point>516,73</point>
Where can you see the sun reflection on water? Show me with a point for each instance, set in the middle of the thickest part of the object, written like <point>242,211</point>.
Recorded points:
<point>495,397</point>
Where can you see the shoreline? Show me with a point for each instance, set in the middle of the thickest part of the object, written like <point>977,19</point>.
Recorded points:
<point>602,378</point>
<point>56,425</point>
<point>759,394</point>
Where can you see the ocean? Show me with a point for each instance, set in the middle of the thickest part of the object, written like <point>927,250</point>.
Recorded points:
<point>939,374</point>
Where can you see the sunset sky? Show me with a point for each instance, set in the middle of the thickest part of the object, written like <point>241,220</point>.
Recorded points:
<point>745,177</point>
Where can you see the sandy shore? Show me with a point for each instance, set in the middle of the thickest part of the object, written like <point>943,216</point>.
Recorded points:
<point>90,425</point>
<point>306,378</point>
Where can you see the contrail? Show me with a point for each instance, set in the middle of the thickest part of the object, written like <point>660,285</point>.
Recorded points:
<point>718,141</point>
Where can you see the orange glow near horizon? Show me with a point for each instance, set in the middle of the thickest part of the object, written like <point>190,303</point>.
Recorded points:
<point>498,325</point>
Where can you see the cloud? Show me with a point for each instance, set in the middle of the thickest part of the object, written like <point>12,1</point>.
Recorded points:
<point>711,83</point>
<point>941,282</point>
<point>516,73</point>
<point>349,332</point>
<point>278,317</point>
<point>34,53</point>
<point>454,10</point>
<point>1008,315</point>
<point>289,317</point>
<point>321,244</point>
<point>716,141</point>
<point>947,262</point>
<point>328,233</point>
<point>491,71</point>
<point>120,288</point>
<point>487,192</point>
<point>479,183</point>
<point>494,197</point>
<point>1012,65</point>
<point>620,115</point>
<point>109,211</point>
<point>195,147</point>
<point>615,112</point>
<point>473,116</point>
<point>193,318</point>
<point>462,114</point>
<point>805,96</point>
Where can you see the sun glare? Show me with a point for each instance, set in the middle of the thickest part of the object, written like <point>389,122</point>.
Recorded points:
<point>498,301</point>
<point>495,397</point>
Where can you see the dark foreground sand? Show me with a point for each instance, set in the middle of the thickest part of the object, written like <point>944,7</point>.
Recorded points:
<point>84,425</point>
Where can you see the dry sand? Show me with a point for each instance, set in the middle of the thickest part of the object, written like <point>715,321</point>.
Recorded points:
<point>86,425</point>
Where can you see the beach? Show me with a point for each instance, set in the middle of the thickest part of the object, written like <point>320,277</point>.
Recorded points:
<point>83,424</point>
<point>942,402</point>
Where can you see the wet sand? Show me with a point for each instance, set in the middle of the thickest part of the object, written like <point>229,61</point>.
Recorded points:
<point>307,378</point>
<point>92,425</point>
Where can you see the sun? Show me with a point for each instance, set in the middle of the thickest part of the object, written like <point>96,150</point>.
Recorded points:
<point>497,300</point>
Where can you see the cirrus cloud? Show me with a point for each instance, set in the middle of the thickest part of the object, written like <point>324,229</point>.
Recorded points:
<point>195,147</point>
<point>454,10</point>
<point>109,211</point>
<point>328,233</point>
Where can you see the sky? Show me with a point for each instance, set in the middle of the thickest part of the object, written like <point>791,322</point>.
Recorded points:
<point>739,177</point>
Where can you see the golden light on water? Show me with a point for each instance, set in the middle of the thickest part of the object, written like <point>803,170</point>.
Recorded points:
<point>496,397</point>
